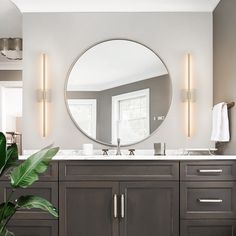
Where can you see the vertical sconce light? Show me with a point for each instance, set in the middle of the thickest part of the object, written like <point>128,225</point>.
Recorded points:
<point>188,94</point>
<point>43,94</point>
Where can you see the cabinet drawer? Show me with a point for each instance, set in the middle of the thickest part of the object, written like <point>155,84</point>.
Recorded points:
<point>118,170</point>
<point>47,190</point>
<point>208,228</point>
<point>208,170</point>
<point>208,200</point>
<point>34,227</point>
<point>51,174</point>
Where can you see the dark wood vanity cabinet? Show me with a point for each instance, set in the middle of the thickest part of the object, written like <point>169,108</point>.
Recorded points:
<point>86,208</point>
<point>208,227</point>
<point>35,222</point>
<point>208,198</point>
<point>119,199</point>
<point>132,198</point>
<point>34,227</point>
<point>150,208</point>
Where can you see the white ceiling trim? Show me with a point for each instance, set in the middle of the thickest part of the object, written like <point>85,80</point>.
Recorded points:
<point>116,5</point>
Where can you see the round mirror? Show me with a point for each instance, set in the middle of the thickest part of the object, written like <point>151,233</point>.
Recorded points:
<point>118,89</point>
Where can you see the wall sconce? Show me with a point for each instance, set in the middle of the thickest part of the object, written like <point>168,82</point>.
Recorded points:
<point>44,95</point>
<point>188,94</point>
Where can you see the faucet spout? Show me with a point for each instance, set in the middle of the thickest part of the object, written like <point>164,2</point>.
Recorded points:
<point>118,151</point>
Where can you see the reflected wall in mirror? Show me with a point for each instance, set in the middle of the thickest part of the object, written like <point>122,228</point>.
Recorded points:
<point>118,89</point>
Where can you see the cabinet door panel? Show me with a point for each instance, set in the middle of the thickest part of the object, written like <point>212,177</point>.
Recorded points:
<point>201,200</point>
<point>208,228</point>
<point>129,170</point>
<point>51,174</point>
<point>86,209</point>
<point>151,208</point>
<point>34,227</point>
<point>208,170</point>
<point>47,190</point>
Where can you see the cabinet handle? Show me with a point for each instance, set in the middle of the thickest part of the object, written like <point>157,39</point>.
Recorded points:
<point>115,205</point>
<point>122,199</point>
<point>215,171</point>
<point>210,200</point>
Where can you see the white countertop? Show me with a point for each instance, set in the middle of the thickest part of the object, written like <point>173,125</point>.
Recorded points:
<point>140,157</point>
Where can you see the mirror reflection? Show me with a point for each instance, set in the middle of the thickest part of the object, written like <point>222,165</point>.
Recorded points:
<point>118,89</point>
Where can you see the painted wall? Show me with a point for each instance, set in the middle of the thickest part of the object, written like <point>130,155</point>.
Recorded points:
<point>66,35</point>
<point>225,61</point>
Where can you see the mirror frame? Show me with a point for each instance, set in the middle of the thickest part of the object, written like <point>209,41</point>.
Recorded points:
<point>68,76</point>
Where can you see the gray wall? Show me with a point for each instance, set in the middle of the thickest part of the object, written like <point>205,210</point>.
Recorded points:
<point>225,61</point>
<point>160,99</point>
<point>64,36</point>
<point>10,75</point>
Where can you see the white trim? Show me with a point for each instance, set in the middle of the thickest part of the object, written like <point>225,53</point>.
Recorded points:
<point>93,103</point>
<point>11,84</point>
<point>3,86</point>
<point>125,96</point>
<point>16,65</point>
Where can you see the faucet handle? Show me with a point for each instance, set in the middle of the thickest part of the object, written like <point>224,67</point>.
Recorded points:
<point>105,152</point>
<point>131,152</point>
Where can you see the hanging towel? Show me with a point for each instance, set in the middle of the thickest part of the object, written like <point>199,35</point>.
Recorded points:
<point>220,123</point>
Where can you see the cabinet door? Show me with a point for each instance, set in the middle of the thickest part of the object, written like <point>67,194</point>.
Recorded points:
<point>87,209</point>
<point>47,190</point>
<point>208,228</point>
<point>149,208</point>
<point>209,200</point>
<point>34,227</point>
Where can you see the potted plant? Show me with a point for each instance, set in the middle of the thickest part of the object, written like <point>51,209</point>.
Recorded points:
<point>22,175</point>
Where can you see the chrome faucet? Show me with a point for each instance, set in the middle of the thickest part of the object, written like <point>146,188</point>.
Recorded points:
<point>118,152</point>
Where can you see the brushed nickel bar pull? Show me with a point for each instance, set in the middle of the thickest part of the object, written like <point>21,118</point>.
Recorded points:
<point>115,205</point>
<point>215,171</point>
<point>210,200</point>
<point>122,199</point>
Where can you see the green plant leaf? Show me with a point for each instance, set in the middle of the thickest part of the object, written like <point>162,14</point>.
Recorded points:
<point>5,232</point>
<point>2,151</point>
<point>29,202</point>
<point>6,211</point>
<point>12,155</point>
<point>11,158</point>
<point>26,173</point>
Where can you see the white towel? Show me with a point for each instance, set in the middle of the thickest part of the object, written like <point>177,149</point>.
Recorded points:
<point>220,123</point>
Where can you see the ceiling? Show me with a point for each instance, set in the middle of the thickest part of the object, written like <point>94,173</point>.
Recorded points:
<point>10,27</point>
<point>116,5</point>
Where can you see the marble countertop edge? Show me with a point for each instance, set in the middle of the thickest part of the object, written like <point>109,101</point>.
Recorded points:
<point>141,157</point>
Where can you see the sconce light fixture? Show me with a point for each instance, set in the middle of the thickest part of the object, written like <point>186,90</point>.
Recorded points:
<point>44,94</point>
<point>188,94</point>
<point>11,48</point>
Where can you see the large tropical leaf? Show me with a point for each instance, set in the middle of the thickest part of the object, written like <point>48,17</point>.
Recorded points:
<point>2,150</point>
<point>29,202</point>
<point>7,210</point>
<point>5,232</point>
<point>10,159</point>
<point>27,173</point>
<point>12,155</point>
